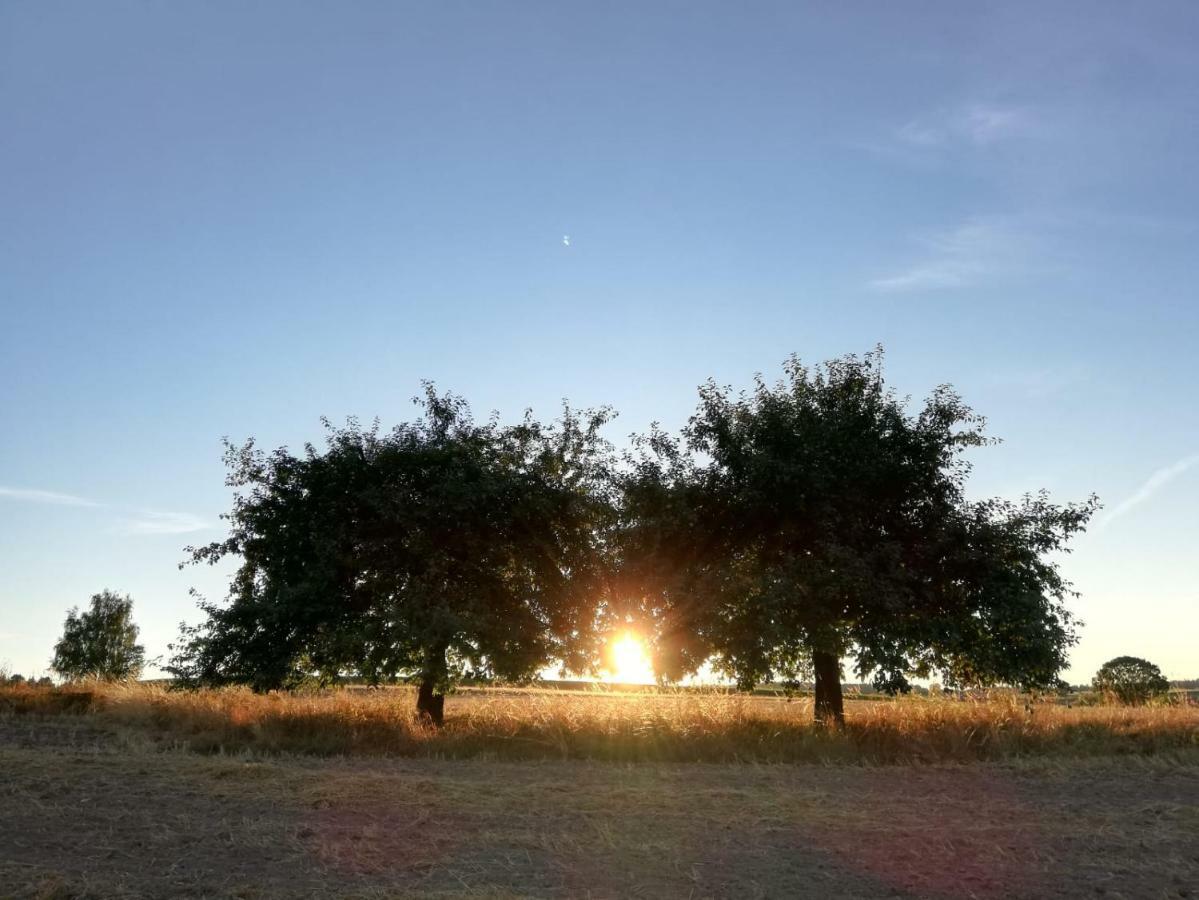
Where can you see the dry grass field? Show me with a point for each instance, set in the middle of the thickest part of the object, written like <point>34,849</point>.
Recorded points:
<point>681,726</point>
<point>138,792</point>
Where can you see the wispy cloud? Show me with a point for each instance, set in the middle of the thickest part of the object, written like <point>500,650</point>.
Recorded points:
<point>138,521</point>
<point>1152,485</point>
<point>1039,384</point>
<point>34,495</point>
<point>973,124</point>
<point>154,522</point>
<point>957,258</point>
<point>932,276</point>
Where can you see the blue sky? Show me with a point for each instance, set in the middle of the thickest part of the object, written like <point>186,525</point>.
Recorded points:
<point>233,218</point>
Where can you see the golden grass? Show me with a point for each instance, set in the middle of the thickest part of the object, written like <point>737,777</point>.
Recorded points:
<point>603,725</point>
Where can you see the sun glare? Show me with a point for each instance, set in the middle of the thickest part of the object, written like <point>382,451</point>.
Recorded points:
<point>628,662</point>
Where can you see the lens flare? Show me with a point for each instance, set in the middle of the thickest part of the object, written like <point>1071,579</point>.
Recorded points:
<point>628,661</point>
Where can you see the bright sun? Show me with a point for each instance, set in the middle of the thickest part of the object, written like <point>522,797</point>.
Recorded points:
<point>628,662</point>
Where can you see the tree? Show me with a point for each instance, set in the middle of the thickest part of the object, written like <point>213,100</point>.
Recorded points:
<point>1130,680</point>
<point>442,548</point>
<point>815,518</point>
<point>100,642</point>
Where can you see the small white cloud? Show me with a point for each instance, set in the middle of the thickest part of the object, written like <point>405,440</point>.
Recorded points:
<point>34,495</point>
<point>921,134</point>
<point>1038,384</point>
<point>988,124</point>
<point>932,276</point>
<point>1152,485</point>
<point>975,124</point>
<point>154,522</point>
<point>958,258</point>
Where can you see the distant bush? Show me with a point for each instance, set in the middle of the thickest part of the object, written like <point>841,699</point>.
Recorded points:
<point>1130,680</point>
<point>16,679</point>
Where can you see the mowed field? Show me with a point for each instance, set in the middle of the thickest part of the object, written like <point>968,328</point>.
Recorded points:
<point>131,793</point>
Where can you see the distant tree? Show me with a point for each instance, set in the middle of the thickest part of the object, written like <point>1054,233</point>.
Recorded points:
<point>442,548</point>
<point>100,642</point>
<point>1131,680</point>
<point>815,518</point>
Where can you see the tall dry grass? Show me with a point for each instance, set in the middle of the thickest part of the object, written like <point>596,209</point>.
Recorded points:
<point>601,725</point>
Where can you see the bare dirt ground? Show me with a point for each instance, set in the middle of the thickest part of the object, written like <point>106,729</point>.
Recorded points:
<point>86,813</point>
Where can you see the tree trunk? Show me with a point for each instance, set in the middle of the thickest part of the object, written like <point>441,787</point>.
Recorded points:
<point>830,710</point>
<point>430,705</point>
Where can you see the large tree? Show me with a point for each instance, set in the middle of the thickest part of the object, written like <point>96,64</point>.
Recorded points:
<point>100,642</point>
<point>817,518</point>
<point>443,547</point>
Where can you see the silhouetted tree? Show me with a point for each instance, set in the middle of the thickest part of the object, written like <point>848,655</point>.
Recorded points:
<point>1131,680</point>
<point>816,518</point>
<point>440,548</point>
<point>100,642</point>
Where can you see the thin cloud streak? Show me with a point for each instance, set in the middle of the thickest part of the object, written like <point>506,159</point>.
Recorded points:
<point>35,495</point>
<point>932,276</point>
<point>155,522</point>
<point>1041,384</point>
<point>141,521</point>
<point>958,258</point>
<point>974,124</point>
<point>1152,485</point>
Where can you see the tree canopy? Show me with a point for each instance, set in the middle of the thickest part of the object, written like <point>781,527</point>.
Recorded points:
<point>440,548</point>
<point>1131,680</point>
<point>100,642</point>
<point>816,517</point>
